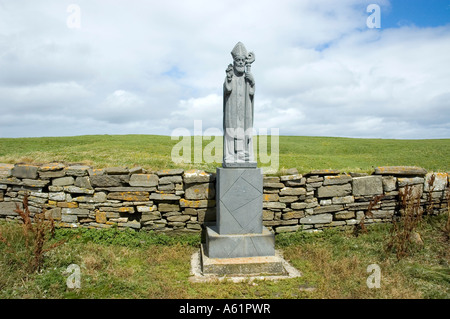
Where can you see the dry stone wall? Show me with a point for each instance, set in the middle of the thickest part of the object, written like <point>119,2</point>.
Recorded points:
<point>175,199</point>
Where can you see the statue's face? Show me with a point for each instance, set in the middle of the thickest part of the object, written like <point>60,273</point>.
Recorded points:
<point>239,64</point>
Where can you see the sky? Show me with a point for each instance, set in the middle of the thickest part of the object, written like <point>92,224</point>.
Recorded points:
<point>323,67</point>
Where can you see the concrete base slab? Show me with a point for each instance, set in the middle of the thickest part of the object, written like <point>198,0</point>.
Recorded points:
<point>239,245</point>
<point>205,269</point>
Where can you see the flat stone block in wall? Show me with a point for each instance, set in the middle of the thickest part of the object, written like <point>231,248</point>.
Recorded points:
<point>201,203</point>
<point>324,172</point>
<point>389,183</point>
<point>35,183</point>
<point>439,184</point>
<point>295,177</point>
<point>52,174</point>
<point>25,171</point>
<point>69,218</point>
<point>327,209</point>
<point>288,191</point>
<point>400,170</point>
<point>334,191</point>
<point>54,213</point>
<point>167,207</point>
<point>382,214</point>
<point>7,208</point>
<point>200,191</point>
<point>77,170</point>
<point>98,197</point>
<point>146,180</point>
<point>83,182</point>
<point>404,181</point>
<point>50,167</point>
<point>344,215</point>
<point>168,172</point>
<point>147,216</point>
<point>6,170</point>
<point>317,219</point>
<point>367,186</point>
<point>129,196</point>
<point>198,176</point>
<point>75,211</point>
<point>172,179</point>
<point>78,190</point>
<point>274,205</point>
<point>104,181</point>
<point>287,229</point>
<point>336,180</point>
<point>163,196</point>
<point>343,200</point>
<point>116,170</point>
<point>63,181</point>
<point>270,197</point>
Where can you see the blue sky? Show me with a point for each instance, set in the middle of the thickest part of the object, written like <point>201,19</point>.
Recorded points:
<point>152,67</point>
<point>421,13</point>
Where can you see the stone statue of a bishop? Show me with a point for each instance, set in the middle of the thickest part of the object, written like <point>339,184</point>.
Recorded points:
<point>238,109</point>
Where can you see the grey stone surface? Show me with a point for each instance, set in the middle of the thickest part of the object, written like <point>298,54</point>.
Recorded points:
<point>83,182</point>
<point>170,179</point>
<point>334,191</point>
<point>162,196</point>
<point>317,219</point>
<point>78,190</point>
<point>25,171</point>
<point>236,246</point>
<point>367,186</point>
<point>400,170</point>
<point>77,170</point>
<point>239,200</point>
<point>289,191</point>
<point>75,211</point>
<point>63,181</point>
<point>116,170</point>
<point>6,170</point>
<point>389,183</point>
<point>200,191</point>
<point>247,266</point>
<point>198,176</point>
<point>238,102</point>
<point>404,181</point>
<point>146,180</point>
<point>439,184</point>
<point>104,181</point>
<point>337,180</point>
<point>168,172</point>
<point>35,182</point>
<point>7,208</point>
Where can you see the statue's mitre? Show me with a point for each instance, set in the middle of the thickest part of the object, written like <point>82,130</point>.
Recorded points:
<point>239,49</point>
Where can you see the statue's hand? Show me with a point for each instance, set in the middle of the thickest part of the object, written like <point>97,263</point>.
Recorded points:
<point>229,72</point>
<point>249,78</point>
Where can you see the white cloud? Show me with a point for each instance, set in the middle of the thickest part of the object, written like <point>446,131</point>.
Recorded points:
<point>149,67</point>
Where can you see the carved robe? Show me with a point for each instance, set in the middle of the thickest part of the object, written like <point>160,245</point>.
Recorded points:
<point>238,109</point>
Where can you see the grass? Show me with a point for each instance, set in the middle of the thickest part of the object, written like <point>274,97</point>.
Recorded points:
<point>140,265</point>
<point>153,152</point>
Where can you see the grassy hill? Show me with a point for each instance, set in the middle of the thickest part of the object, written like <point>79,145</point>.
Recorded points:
<point>304,153</point>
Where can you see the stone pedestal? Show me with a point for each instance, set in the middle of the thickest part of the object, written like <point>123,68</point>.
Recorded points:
<point>239,200</point>
<point>238,239</point>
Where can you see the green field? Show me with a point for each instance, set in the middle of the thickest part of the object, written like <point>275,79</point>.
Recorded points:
<point>153,152</point>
